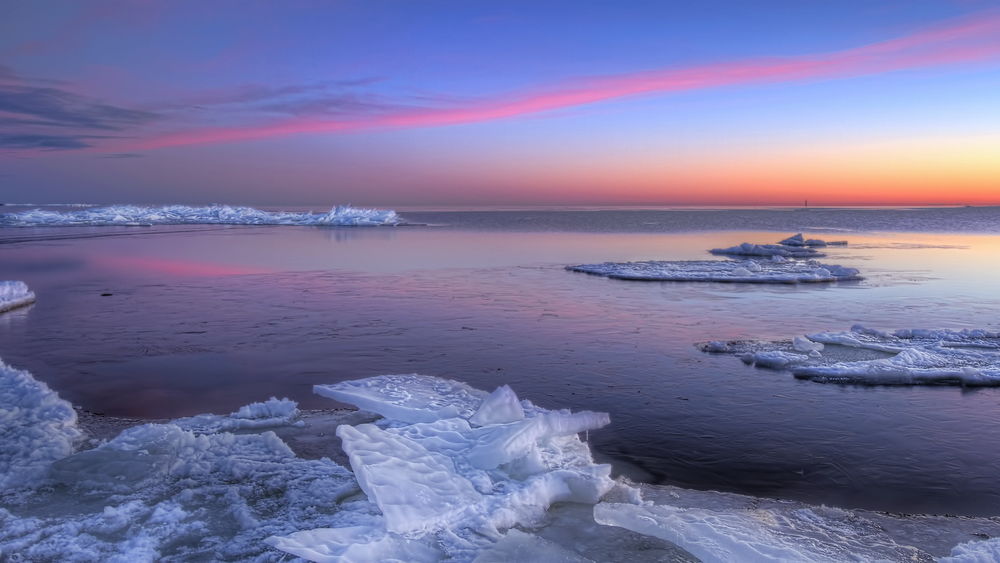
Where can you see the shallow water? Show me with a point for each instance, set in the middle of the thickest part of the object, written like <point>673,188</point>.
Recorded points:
<point>209,318</point>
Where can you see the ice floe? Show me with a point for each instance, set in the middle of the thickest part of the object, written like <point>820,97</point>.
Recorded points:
<point>799,240</point>
<point>134,215</point>
<point>872,357</point>
<point>750,249</point>
<point>734,271</point>
<point>14,294</point>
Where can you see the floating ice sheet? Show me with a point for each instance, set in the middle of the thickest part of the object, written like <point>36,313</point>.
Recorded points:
<point>750,249</point>
<point>733,271</point>
<point>872,357</point>
<point>14,294</point>
<point>341,215</point>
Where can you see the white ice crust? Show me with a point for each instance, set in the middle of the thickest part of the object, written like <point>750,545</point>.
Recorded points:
<point>36,428</point>
<point>134,215</point>
<point>984,551</point>
<point>268,414</point>
<point>750,249</point>
<point>734,271</point>
<point>14,294</point>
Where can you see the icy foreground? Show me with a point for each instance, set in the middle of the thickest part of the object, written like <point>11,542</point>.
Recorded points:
<point>451,473</point>
<point>132,215</point>
<point>872,357</point>
<point>777,270</point>
<point>14,294</point>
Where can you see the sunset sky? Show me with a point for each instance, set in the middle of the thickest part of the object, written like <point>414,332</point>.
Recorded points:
<point>465,103</point>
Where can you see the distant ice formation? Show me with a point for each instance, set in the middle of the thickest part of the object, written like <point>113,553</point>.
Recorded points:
<point>743,271</point>
<point>14,294</point>
<point>799,240</point>
<point>750,249</point>
<point>872,357</point>
<point>133,215</point>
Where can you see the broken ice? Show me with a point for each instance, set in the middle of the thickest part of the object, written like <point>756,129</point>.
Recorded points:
<point>132,215</point>
<point>14,294</point>
<point>872,357</point>
<point>733,271</point>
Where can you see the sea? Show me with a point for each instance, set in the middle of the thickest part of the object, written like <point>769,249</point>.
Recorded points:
<point>174,320</point>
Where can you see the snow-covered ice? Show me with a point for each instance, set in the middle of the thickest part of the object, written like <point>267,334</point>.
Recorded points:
<point>134,215</point>
<point>750,249</point>
<point>733,271</point>
<point>14,294</point>
<point>268,414</point>
<point>36,428</point>
<point>799,240</point>
<point>873,357</point>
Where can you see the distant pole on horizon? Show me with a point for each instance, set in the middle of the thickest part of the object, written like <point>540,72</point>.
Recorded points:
<point>806,203</point>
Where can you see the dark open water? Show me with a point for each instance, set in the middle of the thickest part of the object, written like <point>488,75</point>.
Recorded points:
<point>207,318</point>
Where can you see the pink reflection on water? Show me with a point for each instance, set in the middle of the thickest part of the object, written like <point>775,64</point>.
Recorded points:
<point>186,268</point>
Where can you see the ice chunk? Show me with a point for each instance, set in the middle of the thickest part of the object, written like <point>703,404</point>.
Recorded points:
<point>803,535</point>
<point>500,407</point>
<point>407,398</point>
<point>36,428</point>
<point>721,271</point>
<point>14,294</point>
<point>131,215</point>
<point>436,477</point>
<point>798,240</point>
<point>775,359</point>
<point>750,249</point>
<point>803,344</point>
<point>270,413</point>
<point>716,347</point>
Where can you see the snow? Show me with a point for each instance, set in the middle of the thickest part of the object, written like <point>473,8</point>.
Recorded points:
<point>969,357</point>
<point>14,294</point>
<point>743,271</point>
<point>36,428</point>
<point>750,249</point>
<point>133,215</point>
<point>799,240</point>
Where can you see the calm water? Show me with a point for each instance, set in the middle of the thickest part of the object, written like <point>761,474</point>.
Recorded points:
<point>209,318</point>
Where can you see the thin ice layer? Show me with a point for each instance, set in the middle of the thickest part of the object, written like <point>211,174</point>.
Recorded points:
<point>36,428</point>
<point>14,294</point>
<point>438,478</point>
<point>750,249</point>
<point>341,215</point>
<point>734,271</point>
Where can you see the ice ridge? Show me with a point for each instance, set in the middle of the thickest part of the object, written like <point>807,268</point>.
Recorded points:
<point>14,294</point>
<point>731,271</point>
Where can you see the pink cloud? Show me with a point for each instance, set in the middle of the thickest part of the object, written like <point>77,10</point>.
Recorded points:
<point>959,42</point>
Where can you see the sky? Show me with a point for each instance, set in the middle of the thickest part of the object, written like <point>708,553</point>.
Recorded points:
<point>472,103</point>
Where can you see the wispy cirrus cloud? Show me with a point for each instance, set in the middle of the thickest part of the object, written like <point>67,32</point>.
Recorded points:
<point>43,116</point>
<point>969,40</point>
